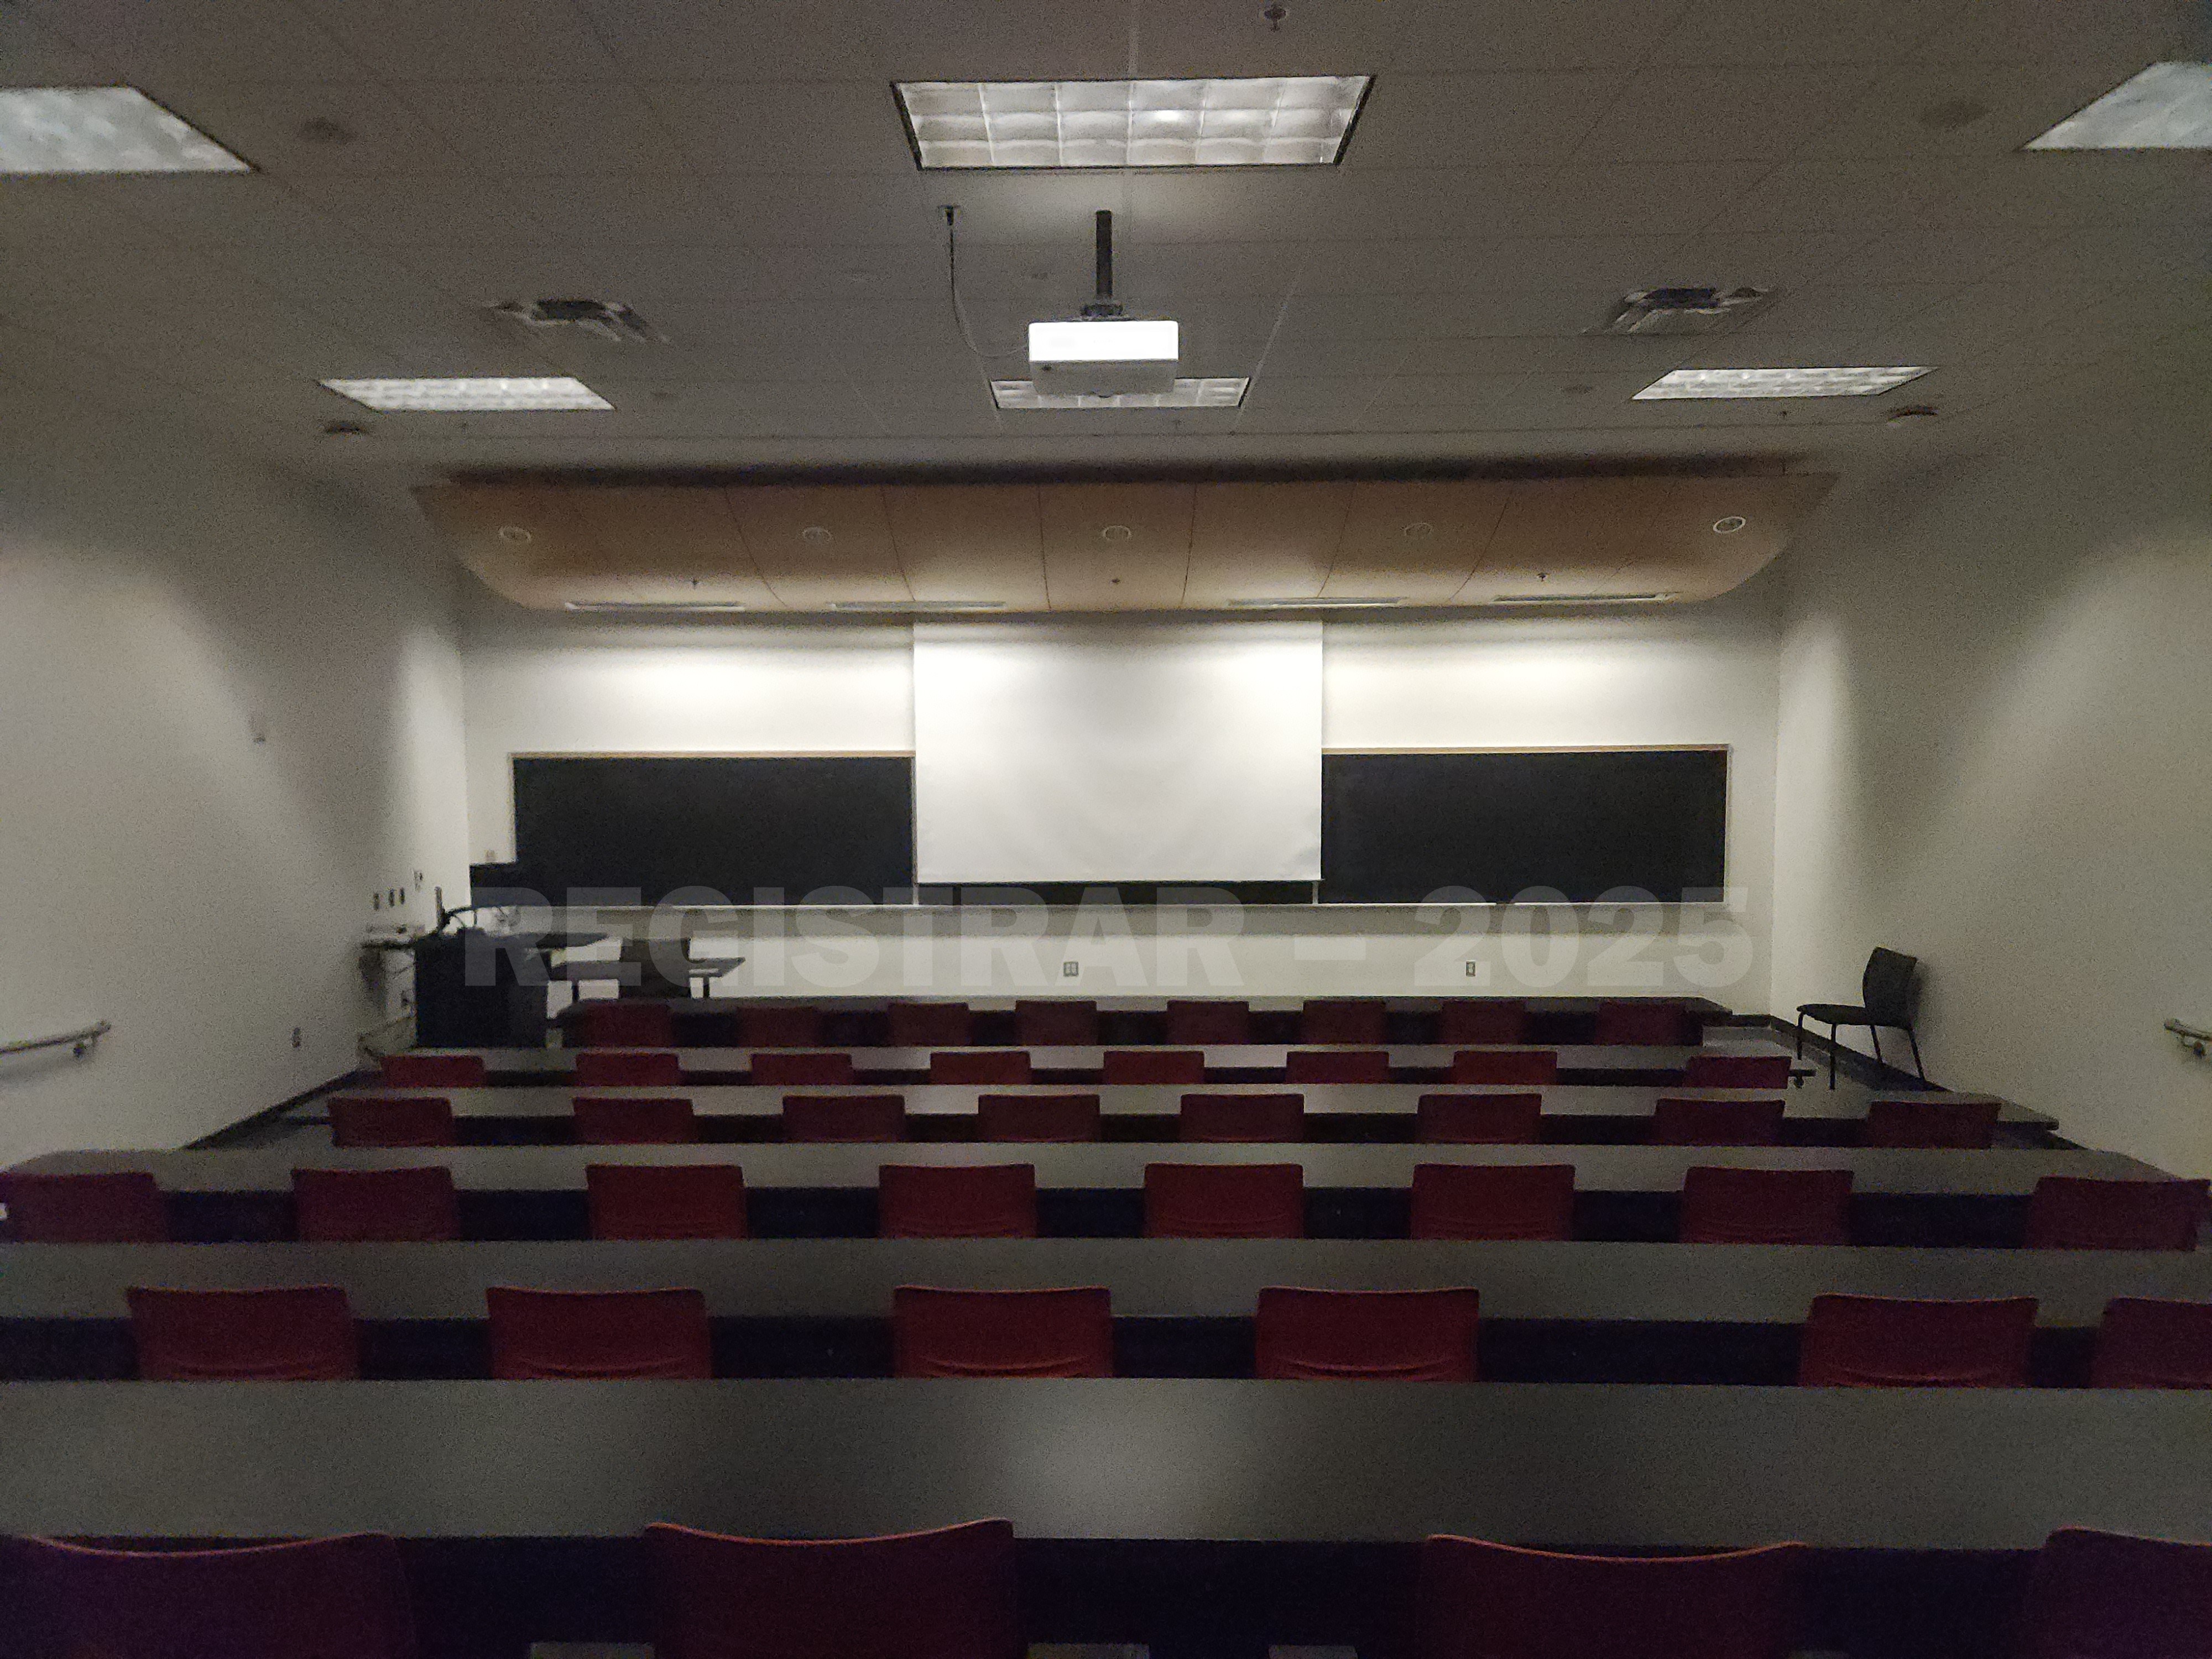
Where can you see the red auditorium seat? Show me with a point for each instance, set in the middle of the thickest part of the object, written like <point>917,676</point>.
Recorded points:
<point>1723,1206</point>
<point>1483,1120</point>
<point>608,1024</point>
<point>1055,1024</point>
<point>1676,1122</point>
<point>1039,1117</point>
<point>610,1335</point>
<point>432,1072</point>
<point>1644,1023</point>
<point>963,1200</point>
<point>321,1598</point>
<point>1467,1020</point>
<point>286,1334</point>
<point>1480,1601</point>
<point>2147,1344</point>
<point>634,1121</point>
<point>945,1595</point>
<point>1517,1069</point>
<point>1242,1118</point>
<point>1174,1066</point>
<point>125,1207</point>
<point>844,1117</point>
<point>628,1068</point>
<point>1224,1200</point>
<point>938,1333</point>
<point>665,1200</point>
<point>376,1207</point>
<point>1894,1342</point>
<point>2074,1212</point>
<point>1209,1025</point>
<point>392,1121</point>
<point>931,1024</point>
<point>987,1066</point>
<point>1383,1336</point>
<point>1494,1201</point>
<point>1719,1071</point>
<point>2107,1595</point>
<point>781,1028</point>
<point>1356,1021</point>
<point>784,1071</point>
<point>1337,1065</point>
<point>1930,1121</point>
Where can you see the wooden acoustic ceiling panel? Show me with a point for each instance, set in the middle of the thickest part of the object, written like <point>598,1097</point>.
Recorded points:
<point>1092,547</point>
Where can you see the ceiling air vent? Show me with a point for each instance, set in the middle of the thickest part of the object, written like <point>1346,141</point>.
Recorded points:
<point>601,319</point>
<point>1685,310</point>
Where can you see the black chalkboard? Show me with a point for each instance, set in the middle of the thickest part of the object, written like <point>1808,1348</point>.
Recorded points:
<point>736,825</point>
<point>1583,824</point>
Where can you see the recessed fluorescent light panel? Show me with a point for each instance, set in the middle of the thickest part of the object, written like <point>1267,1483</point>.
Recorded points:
<point>1581,598</point>
<point>101,129</point>
<point>1777,382</point>
<point>912,607</point>
<point>2167,107</point>
<point>631,607</point>
<point>1299,121</point>
<point>1226,392</point>
<point>487,396</point>
<point>1313,604</point>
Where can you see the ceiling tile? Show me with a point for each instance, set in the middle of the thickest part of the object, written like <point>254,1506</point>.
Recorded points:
<point>262,121</point>
<point>818,126</point>
<point>217,211</point>
<point>414,211</point>
<point>1687,114</point>
<point>1835,308</point>
<point>793,208</point>
<point>1176,38</point>
<point>68,219</point>
<point>737,39</point>
<point>1800,196</point>
<point>234,39</point>
<point>31,55</point>
<point>1943,254</point>
<point>1734,260</point>
<point>1445,36</point>
<point>438,41</point>
<point>1478,120</point>
<point>601,211</point>
<point>1760,32</point>
<point>645,277</point>
<point>1439,392</point>
<point>2113,32</point>
<point>1345,394</point>
<point>1573,357</point>
<point>1928,109</point>
<point>990,40</point>
<point>548,127</point>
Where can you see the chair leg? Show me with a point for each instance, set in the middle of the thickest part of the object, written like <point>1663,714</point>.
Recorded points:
<point>1913,1037</point>
<point>1832,1045</point>
<point>1880,1060</point>
<point>1801,1036</point>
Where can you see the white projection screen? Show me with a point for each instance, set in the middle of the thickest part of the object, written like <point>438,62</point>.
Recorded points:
<point>1117,752</point>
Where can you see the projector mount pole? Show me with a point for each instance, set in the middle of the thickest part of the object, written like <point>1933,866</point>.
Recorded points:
<point>1104,305</point>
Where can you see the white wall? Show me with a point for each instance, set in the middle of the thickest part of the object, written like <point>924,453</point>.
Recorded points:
<point>160,604</point>
<point>1997,689</point>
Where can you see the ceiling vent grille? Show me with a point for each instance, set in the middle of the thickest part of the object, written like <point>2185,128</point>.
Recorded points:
<point>1685,310</point>
<point>602,320</point>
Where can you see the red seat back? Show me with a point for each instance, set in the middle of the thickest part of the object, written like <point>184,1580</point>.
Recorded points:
<point>942,1594</point>
<point>1466,1019</point>
<point>781,1028</point>
<point>2106,1596</point>
<point>376,1207</point>
<point>1154,1066</point>
<point>980,1066</point>
<point>1894,1342</point>
<point>1056,1023</point>
<point>1224,1200</point>
<point>1384,1336</point>
<point>936,1333</point>
<point>665,1200</point>
<point>628,1068</point>
<point>1209,1025</point>
<point>844,1117</point>
<point>606,1023</point>
<point>322,1598</point>
<point>123,1207</point>
<point>1715,1071</point>
<point>1482,1601</point>
<point>1930,1121</point>
<point>2074,1212</point>
<point>432,1072</point>
<point>287,1333</point>
<point>947,1200</point>
<point>634,1121</point>
<point>1242,1118</point>
<point>1351,1020</point>
<point>1494,1201</point>
<point>1722,1205</point>
<point>783,1071</point>
<point>392,1121</point>
<point>2147,1344</point>
<point>1512,1067</point>
<point>612,1335</point>
<point>1039,1117</point>
<point>1337,1065</point>
<point>931,1024</point>
<point>1485,1120</point>
<point>1645,1023</point>
<point>1678,1122</point>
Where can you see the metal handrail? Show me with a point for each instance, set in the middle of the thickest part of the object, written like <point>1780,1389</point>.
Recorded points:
<point>2191,1038</point>
<point>80,1042</point>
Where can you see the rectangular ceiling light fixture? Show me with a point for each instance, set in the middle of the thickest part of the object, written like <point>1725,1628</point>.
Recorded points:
<point>1777,382</point>
<point>1298,120</point>
<point>45,130</point>
<point>1226,392</point>
<point>633,607</point>
<point>486,396</point>
<point>913,607</point>
<point>2167,106</point>
<point>1313,604</point>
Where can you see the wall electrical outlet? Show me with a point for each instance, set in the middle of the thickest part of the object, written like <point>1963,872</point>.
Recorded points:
<point>1070,969</point>
<point>298,1036</point>
<point>1474,968</point>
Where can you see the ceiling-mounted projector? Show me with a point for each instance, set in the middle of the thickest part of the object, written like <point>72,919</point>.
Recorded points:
<point>1103,354</point>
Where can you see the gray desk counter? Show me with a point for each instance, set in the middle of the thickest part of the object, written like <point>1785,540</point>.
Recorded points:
<point>1582,1467</point>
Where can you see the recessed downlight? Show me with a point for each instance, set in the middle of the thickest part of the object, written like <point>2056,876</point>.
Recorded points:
<point>1731,524</point>
<point>515,535</point>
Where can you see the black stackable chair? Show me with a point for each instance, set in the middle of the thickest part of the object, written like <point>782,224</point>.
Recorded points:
<point>1889,993</point>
